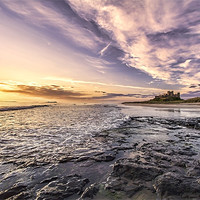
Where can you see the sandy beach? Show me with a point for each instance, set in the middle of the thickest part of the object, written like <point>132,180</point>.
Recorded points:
<point>181,105</point>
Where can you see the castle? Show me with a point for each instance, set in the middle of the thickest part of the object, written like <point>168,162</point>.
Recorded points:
<point>170,95</point>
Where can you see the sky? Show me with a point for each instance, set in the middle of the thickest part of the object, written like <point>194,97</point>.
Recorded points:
<point>98,50</point>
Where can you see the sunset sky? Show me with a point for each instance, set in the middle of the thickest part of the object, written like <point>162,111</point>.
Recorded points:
<point>98,50</point>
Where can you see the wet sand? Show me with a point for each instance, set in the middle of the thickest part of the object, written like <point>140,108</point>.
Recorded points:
<point>181,105</point>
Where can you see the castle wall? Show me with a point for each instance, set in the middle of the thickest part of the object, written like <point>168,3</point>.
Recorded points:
<point>169,94</point>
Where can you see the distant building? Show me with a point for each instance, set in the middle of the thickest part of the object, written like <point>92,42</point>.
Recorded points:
<point>170,95</point>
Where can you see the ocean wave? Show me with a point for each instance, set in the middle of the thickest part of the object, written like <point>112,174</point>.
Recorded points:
<point>11,108</point>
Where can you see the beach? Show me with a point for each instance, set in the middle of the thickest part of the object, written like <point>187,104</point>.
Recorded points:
<point>100,100</point>
<point>102,152</point>
<point>180,105</point>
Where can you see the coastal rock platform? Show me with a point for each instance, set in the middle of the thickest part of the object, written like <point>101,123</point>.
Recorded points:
<point>146,158</point>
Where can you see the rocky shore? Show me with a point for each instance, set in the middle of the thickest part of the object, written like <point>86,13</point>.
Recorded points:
<point>146,158</point>
<point>159,169</point>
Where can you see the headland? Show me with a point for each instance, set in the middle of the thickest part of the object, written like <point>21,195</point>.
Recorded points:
<point>170,99</point>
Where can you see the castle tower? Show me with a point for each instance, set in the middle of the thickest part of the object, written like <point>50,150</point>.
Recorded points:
<point>170,95</point>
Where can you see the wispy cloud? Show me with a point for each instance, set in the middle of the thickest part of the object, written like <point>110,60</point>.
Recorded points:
<point>99,83</point>
<point>113,95</point>
<point>58,92</point>
<point>159,37</point>
<point>45,91</point>
<point>140,45</point>
<point>55,17</point>
<point>191,94</point>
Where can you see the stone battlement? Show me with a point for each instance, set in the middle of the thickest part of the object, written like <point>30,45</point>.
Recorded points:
<point>169,95</point>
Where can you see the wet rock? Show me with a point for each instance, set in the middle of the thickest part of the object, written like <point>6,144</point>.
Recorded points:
<point>131,170</point>
<point>171,141</point>
<point>22,196</point>
<point>174,127</point>
<point>132,189</point>
<point>115,184</point>
<point>187,152</point>
<point>15,190</point>
<point>90,191</point>
<point>167,184</point>
<point>194,171</point>
<point>195,137</point>
<point>160,156</point>
<point>159,149</point>
<point>87,163</point>
<point>168,163</point>
<point>49,180</point>
<point>62,188</point>
<point>173,184</point>
<point>180,163</point>
<point>65,159</point>
<point>103,134</point>
<point>106,157</point>
<point>123,148</point>
<point>82,158</point>
<point>190,122</point>
<point>145,194</point>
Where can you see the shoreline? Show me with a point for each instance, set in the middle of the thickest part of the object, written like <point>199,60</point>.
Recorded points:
<point>13,108</point>
<point>181,105</point>
<point>145,157</point>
